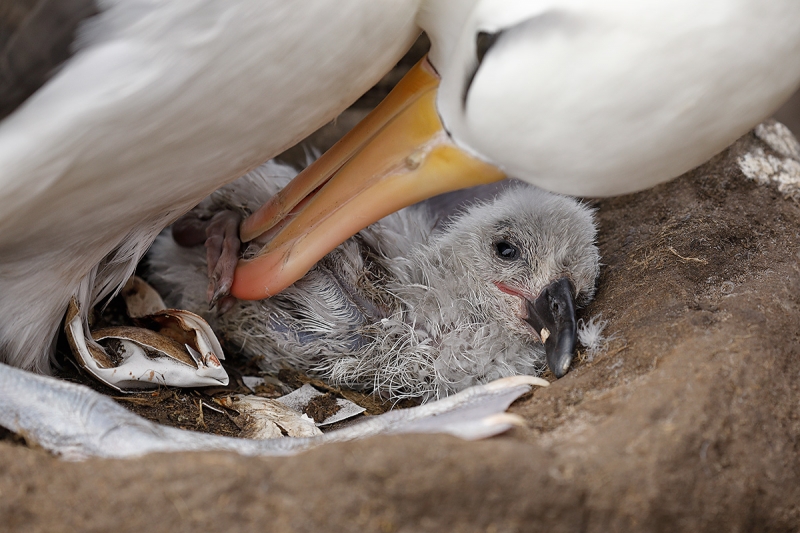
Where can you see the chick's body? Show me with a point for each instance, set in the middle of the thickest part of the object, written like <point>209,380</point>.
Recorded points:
<point>416,305</point>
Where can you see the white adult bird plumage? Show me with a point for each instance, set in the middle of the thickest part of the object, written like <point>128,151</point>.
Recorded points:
<point>603,98</point>
<point>160,104</point>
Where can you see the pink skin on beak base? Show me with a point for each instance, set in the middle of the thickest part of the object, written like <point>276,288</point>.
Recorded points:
<point>399,155</point>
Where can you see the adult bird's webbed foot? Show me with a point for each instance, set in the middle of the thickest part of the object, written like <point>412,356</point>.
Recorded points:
<point>220,234</point>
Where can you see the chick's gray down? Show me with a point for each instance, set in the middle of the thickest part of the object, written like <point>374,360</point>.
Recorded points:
<point>423,303</point>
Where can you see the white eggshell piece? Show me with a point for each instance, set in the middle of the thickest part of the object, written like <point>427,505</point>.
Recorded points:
<point>144,359</point>
<point>261,417</point>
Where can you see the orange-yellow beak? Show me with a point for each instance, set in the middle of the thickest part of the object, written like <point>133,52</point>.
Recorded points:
<point>397,156</point>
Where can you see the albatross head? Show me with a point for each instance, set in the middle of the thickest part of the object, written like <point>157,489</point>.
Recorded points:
<point>529,260</point>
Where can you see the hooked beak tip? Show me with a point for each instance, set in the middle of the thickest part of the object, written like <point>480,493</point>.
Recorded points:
<point>553,314</point>
<point>560,367</point>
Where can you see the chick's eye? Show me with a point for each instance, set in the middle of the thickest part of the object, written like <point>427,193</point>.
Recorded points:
<point>506,250</point>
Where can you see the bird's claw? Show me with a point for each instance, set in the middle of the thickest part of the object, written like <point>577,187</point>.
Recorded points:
<point>222,255</point>
<point>220,234</point>
<point>225,304</point>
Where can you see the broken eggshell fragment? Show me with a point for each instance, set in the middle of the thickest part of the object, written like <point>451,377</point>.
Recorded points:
<point>264,418</point>
<point>188,329</point>
<point>179,350</point>
<point>147,309</point>
<point>299,400</point>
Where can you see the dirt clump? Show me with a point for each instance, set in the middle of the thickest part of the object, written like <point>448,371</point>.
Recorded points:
<point>322,407</point>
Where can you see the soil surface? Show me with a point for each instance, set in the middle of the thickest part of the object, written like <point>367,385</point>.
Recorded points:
<point>689,421</point>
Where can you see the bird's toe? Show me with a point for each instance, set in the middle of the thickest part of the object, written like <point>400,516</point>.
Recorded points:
<point>222,254</point>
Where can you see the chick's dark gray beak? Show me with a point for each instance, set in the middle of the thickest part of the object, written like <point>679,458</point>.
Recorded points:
<point>552,314</point>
